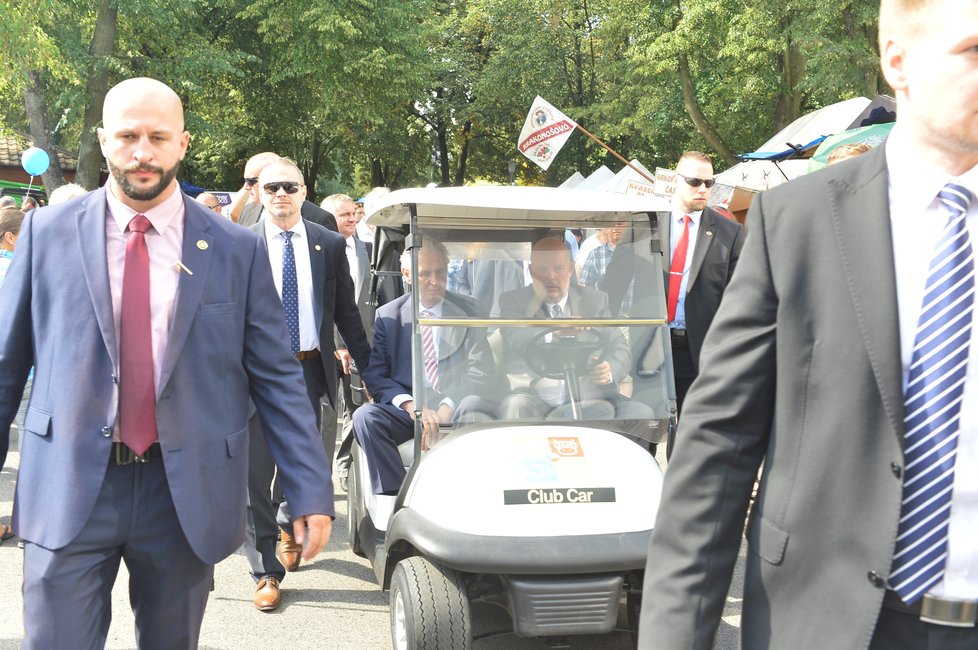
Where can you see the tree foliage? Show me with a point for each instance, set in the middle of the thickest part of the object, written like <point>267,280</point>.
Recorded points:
<point>406,92</point>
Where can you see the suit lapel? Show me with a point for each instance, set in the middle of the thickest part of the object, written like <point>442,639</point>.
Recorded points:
<point>317,262</point>
<point>450,338</point>
<point>364,269</point>
<point>860,216</point>
<point>90,222</point>
<point>197,255</point>
<point>704,239</point>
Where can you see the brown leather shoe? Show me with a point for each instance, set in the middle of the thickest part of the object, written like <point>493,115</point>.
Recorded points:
<point>289,552</point>
<point>267,595</point>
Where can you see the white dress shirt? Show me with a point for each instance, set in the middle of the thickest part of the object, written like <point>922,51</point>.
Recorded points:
<point>354,262</point>
<point>676,228</point>
<point>308,336</point>
<point>917,219</point>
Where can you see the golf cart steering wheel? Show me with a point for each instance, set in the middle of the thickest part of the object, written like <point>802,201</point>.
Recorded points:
<point>570,348</point>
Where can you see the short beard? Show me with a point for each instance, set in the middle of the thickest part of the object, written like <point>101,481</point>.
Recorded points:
<point>136,194</point>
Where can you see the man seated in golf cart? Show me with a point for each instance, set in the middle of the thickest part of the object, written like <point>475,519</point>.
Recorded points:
<point>458,368</point>
<point>555,370</point>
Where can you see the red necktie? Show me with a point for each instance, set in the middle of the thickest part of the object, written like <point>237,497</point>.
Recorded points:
<point>676,271</point>
<point>137,394</point>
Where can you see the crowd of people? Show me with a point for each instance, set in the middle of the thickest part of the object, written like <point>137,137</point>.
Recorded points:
<point>214,350</point>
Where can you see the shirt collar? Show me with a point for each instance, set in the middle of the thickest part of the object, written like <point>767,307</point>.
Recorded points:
<point>677,217</point>
<point>914,185</point>
<point>271,230</point>
<point>161,216</point>
<point>436,310</point>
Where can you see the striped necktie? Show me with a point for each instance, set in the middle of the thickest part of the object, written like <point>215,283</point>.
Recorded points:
<point>935,389</point>
<point>430,353</point>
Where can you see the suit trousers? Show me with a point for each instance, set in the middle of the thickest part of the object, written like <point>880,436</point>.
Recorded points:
<point>380,428</point>
<point>897,630</point>
<point>68,592</point>
<point>347,407</point>
<point>267,509</point>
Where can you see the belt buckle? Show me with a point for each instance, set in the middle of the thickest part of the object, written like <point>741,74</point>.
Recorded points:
<point>123,455</point>
<point>948,611</point>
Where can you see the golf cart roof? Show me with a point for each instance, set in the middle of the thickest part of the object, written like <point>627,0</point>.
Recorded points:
<point>501,206</point>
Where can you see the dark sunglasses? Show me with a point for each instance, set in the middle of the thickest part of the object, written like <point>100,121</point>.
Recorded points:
<point>696,182</point>
<point>251,181</point>
<point>290,187</point>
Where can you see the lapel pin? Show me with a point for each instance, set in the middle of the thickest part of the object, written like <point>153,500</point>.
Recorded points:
<point>201,244</point>
<point>318,247</point>
<point>709,233</point>
<point>179,266</point>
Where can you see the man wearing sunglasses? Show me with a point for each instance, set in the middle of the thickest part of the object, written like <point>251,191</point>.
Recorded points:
<point>702,253</point>
<point>251,210</point>
<point>312,277</point>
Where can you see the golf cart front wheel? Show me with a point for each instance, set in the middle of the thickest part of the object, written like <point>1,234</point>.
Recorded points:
<point>429,608</point>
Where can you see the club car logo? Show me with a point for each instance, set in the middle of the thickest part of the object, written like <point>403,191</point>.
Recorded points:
<point>566,447</point>
<point>540,496</point>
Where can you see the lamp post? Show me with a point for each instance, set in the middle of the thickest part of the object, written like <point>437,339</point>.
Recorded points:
<point>512,171</point>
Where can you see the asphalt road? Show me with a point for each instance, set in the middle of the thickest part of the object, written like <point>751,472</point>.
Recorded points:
<point>332,602</point>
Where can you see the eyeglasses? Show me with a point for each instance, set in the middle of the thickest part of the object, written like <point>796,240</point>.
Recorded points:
<point>290,187</point>
<point>251,181</point>
<point>696,182</point>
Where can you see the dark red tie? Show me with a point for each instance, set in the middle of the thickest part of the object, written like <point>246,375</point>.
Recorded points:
<point>137,394</point>
<point>676,271</point>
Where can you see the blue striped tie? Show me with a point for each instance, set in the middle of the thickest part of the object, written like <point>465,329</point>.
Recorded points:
<point>935,388</point>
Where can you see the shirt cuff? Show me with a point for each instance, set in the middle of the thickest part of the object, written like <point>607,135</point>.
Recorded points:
<point>400,399</point>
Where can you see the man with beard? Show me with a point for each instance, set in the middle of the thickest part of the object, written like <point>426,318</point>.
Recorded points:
<point>146,347</point>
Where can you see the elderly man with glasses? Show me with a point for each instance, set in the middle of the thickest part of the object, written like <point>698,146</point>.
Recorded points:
<point>312,277</point>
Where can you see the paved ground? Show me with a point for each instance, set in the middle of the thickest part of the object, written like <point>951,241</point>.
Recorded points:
<point>330,603</point>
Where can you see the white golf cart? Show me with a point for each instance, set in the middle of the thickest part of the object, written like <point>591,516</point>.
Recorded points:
<point>546,514</point>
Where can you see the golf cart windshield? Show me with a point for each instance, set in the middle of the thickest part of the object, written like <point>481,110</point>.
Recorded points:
<point>511,328</point>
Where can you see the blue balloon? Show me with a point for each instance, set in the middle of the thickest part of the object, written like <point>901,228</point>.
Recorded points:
<point>35,161</point>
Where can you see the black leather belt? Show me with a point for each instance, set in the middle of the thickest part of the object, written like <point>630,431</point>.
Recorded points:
<point>123,455</point>
<point>939,611</point>
<point>678,333</point>
<point>306,354</point>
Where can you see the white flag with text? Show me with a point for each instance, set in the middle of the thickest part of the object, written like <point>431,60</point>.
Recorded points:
<point>544,132</point>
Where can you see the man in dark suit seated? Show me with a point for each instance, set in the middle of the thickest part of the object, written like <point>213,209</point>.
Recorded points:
<point>552,296</point>
<point>458,368</point>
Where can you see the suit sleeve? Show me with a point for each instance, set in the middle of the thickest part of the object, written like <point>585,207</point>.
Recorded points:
<point>16,350</point>
<point>720,444</point>
<point>377,376</point>
<point>346,314</point>
<point>279,393</point>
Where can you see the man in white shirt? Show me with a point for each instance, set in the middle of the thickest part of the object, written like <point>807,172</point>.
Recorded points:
<point>311,275</point>
<point>842,358</point>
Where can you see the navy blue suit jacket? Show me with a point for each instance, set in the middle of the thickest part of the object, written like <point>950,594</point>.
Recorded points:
<point>228,342</point>
<point>334,300</point>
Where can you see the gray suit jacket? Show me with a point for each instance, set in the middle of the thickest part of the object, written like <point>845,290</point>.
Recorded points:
<point>362,291</point>
<point>227,342</point>
<point>801,371</point>
<point>718,244</point>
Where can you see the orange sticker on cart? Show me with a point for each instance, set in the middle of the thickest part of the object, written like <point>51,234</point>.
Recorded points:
<point>566,447</point>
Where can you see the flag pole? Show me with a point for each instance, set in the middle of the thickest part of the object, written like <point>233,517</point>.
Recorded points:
<point>616,154</point>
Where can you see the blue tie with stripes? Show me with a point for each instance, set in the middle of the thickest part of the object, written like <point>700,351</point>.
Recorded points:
<point>935,389</point>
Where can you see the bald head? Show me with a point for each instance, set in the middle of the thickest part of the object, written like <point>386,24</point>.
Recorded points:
<point>139,91</point>
<point>143,141</point>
